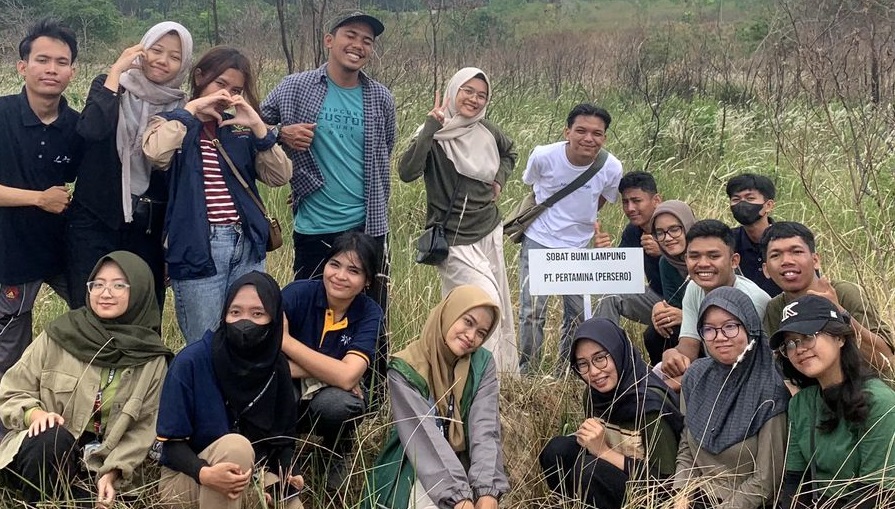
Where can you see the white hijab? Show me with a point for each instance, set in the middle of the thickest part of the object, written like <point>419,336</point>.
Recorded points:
<point>141,100</point>
<point>465,141</point>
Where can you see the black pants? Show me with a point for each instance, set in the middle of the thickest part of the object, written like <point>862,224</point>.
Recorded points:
<point>310,255</point>
<point>89,239</point>
<point>571,471</point>
<point>46,466</point>
<point>333,414</point>
<point>656,344</point>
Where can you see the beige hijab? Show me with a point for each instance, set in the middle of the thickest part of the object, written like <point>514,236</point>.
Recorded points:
<point>429,355</point>
<point>465,141</point>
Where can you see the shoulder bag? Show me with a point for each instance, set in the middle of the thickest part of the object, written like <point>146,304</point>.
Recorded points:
<point>432,246</point>
<point>274,231</point>
<point>528,209</point>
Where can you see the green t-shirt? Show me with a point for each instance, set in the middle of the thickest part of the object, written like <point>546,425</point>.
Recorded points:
<point>851,298</point>
<point>338,149</point>
<point>843,457</point>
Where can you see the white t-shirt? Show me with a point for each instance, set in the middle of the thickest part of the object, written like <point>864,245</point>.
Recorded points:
<point>569,223</point>
<point>693,299</point>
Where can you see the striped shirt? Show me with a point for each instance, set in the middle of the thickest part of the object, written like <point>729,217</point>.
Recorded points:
<point>218,202</point>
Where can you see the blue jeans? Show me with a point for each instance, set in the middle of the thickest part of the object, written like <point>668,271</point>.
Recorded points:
<point>533,313</point>
<point>199,303</point>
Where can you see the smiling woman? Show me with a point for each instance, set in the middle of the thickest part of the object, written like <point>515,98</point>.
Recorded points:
<point>143,81</point>
<point>465,161</point>
<point>732,449</point>
<point>216,230</point>
<point>440,385</point>
<point>87,388</point>
<point>842,422</point>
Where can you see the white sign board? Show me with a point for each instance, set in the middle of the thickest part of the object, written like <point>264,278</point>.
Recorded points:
<point>586,271</point>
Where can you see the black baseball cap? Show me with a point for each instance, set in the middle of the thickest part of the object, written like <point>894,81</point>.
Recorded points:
<point>350,17</point>
<point>806,315</point>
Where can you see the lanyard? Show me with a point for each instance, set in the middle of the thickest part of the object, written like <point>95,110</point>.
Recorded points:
<point>252,403</point>
<point>98,403</point>
<point>444,423</point>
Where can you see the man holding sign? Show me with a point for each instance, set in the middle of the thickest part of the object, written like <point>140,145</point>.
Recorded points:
<point>570,223</point>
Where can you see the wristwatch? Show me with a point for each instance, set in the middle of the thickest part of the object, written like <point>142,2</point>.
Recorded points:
<point>276,130</point>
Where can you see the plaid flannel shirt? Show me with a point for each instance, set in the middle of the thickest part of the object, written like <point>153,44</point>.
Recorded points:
<point>298,99</point>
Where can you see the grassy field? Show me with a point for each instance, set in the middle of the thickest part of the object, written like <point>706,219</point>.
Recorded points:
<point>830,175</point>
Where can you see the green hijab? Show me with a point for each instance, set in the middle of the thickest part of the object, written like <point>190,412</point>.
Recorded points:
<point>131,339</point>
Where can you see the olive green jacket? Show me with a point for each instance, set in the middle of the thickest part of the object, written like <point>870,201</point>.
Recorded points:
<point>50,378</point>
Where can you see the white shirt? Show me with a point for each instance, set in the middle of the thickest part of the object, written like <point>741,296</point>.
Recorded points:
<point>569,223</point>
<point>693,299</point>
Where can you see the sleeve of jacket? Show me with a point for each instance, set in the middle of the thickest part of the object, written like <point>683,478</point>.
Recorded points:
<point>437,467</point>
<point>415,159</point>
<point>99,118</point>
<point>273,166</point>
<point>761,487</point>
<point>487,475</point>
<point>507,153</point>
<point>135,443</point>
<point>20,386</point>
<point>164,136</point>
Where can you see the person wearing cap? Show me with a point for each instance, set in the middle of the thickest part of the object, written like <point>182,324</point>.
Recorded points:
<point>338,126</point>
<point>842,420</point>
<point>734,400</point>
<point>791,260</point>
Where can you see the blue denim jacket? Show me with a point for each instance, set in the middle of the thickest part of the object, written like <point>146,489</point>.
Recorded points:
<point>186,225</point>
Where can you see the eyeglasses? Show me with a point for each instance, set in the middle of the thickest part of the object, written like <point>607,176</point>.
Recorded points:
<point>673,232</point>
<point>789,346</point>
<point>728,330</point>
<point>115,289</point>
<point>481,96</point>
<point>599,361</point>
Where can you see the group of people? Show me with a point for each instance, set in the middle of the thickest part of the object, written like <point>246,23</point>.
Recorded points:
<point>763,383</point>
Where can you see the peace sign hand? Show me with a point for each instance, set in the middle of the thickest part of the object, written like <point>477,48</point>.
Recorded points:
<point>438,111</point>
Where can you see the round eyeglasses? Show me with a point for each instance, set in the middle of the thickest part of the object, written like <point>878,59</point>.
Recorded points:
<point>728,330</point>
<point>599,361</point>
<point>672,232</point>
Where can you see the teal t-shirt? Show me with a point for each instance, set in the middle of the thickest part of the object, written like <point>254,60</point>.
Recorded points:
<point>844,456</point>
<point>338,150</point>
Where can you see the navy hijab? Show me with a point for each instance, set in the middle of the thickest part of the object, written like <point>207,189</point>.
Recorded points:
<point>639,391</point>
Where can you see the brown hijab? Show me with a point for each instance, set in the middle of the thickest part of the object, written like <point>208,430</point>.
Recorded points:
<point>444,372</point>
<point>685,216</point>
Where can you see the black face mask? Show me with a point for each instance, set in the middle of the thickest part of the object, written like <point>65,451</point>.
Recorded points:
<point>245,335</point>
<point>747,213</point>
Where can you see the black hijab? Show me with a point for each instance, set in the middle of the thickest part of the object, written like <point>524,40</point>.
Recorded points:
<point>728,404</point>
<point>639,391</point>
<point>256,382</point>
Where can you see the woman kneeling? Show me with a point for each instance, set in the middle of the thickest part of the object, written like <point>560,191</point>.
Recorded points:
<point>445,449</point>
<point>87,388</point>
<point>228,405</point>
<point>633,423</point>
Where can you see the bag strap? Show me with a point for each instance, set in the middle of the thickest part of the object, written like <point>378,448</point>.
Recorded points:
<point>578,182</point>
<point>234,171</point>
<point>451,203</point>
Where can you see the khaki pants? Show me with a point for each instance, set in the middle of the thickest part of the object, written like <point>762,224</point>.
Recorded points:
<point>178,490</point>
<point>482,264</point>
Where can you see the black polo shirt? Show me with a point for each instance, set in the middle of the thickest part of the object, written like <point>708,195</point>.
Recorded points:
<point>34,156</point>
<point>751,260</point>
<point>631,238</point>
